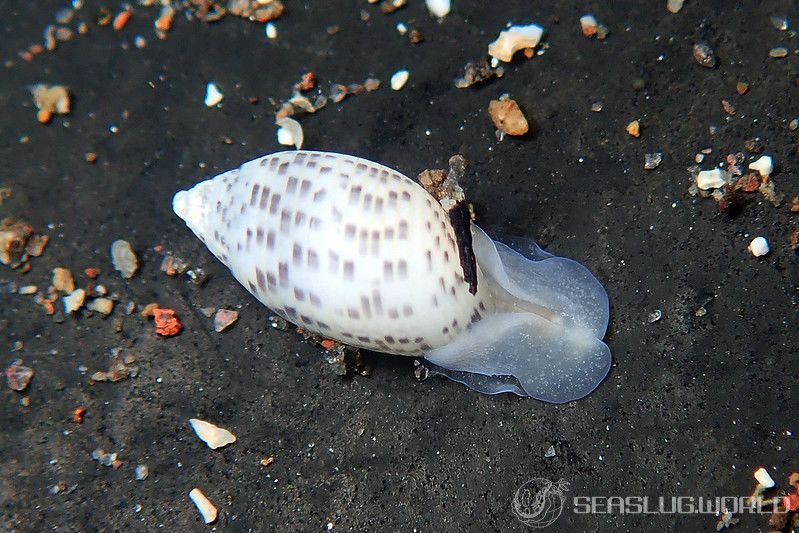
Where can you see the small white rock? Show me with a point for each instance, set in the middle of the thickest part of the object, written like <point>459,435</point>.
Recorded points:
<point>270,30</point>
<point>214,436</point>
<point>763,478</point>
<point>141,472</point>
<point>514,39</point>
<point>212,95</point>
<point>402,29</point>
<point>439,8</point>
<point>781,23</point>
<point>674,6</point>
<point>399,79</point>
<point>124,258</point>
<point>204,505</point>
<point>289,132</point>
<point>759,247</point>
<point>588,23</point>
<point>74,301</point>
<point>710,179</point>
<point>104,306</point>
<point>285,137</point>
<point>764,165</point>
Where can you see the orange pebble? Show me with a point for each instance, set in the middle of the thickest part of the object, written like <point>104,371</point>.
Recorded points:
<point>91,272</point>
<point>166,322</point>
<point>328,344</point>
<point>44,116</point>
<point>164,22</point>
<point>791,502</point>
<point>78,414</point>
<point>307,82</point>
<point>121,19</point>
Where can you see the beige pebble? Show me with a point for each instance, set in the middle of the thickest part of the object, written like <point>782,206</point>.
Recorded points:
<point>124,258</point>
<point>778,53</point>
<point>63,280</point>
<point>763,478</point>
<point>74,301</point>
<point>214,436</point>
<point>101,305</point>
<point>710,179</point>
<point>399,79</point>
<point>27,289</point>
<point>51,99</point>
<point>674,6</point>
<point>289,132</point>
<point>224,318</point>
<point>508,117</point>
<point>204,505</point>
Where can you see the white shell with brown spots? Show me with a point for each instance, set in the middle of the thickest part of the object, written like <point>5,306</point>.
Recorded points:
<point>339,245</point>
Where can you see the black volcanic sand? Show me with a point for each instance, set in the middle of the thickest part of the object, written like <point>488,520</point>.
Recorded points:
<point>692,405</point>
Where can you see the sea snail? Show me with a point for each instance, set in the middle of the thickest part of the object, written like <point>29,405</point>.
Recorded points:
<point>362,254</point>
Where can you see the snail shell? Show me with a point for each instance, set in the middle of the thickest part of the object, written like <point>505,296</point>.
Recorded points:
<point>360,253</point>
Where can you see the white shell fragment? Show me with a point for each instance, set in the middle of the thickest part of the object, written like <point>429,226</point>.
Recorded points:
<point>212,95</point>
<point>270,30</point>
<point>764,166</point>
<point>763,478</point>
<point>214,436</point>
<point>289,132</point>
<point>513,39</point>
<point>710,179</point>
<point>759,246</point>
<point>439,8</point>
<point>399,79</point>
<point>204,505</point>
<point>124,258</point>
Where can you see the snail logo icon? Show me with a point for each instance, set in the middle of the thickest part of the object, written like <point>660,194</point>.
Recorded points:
<point>539,502</point>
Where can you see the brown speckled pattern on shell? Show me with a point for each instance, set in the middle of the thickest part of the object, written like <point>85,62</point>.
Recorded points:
<point>342,246</point>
